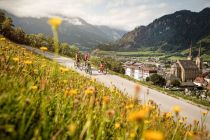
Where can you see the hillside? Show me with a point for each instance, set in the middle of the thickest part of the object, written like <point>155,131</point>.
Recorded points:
<point>73,30</point>
<point>171,32</point>
<point>36,103</point>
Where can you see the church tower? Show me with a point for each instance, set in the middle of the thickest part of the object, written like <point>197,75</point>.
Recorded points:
<point>199,60</point>
<point>190,53</point>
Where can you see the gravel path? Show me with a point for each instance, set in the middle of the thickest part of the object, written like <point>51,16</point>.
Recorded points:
<point>164,101</point>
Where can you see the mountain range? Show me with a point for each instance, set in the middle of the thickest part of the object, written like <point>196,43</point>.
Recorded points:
<point>73,30</point>
<point>170,32</point>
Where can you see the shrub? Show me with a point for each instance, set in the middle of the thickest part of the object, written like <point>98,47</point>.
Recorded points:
<point>175,83</point>
<point>157,80</point>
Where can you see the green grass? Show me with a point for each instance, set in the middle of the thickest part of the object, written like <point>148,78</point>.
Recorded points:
<point>206,57</point>
<point>174,58</point>
<point>134,53</point>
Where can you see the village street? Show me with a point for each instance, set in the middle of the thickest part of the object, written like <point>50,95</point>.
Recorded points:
<point>164,101</point>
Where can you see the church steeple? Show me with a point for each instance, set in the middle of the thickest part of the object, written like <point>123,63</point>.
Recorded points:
<point>199,52</point>
<point>190,53</point>
<point>199,59</point>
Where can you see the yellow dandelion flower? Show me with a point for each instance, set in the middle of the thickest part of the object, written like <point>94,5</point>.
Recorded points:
<point>130,106</point>
<point>90,90</point>
<point>153,107</point>
<point>106,99</point>
<point>132,134</point>
<point>147,121</point>
<point>117,125</point>
<point>55,22</point>
<point>209,136</point>
<point>27,62</point>
<point>63,70</point>
<point>138,115</point>
<point>15,59</point>
<point>72,128</point>
<point>204,113</point>
<point>72,92</point>
<point>189,133</point>
<point>65,81</point>
<point>176,109</point>
<point>34,87</point>
<point>43,48</point>
<point>153,135</point>
<point>168,115</point>
<point>112,89</point>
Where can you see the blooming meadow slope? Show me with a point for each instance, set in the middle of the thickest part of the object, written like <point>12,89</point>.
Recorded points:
<point>39,99</point>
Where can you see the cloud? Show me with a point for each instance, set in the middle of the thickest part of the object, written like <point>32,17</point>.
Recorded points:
<point>126,14</point>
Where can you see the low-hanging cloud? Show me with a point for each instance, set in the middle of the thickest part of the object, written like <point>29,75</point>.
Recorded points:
<point>126,14</point>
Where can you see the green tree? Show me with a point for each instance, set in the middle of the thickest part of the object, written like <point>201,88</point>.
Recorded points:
<point>157,80</point>
<point>19,35</point>
<point>68,50</point>
<point>6,27</point>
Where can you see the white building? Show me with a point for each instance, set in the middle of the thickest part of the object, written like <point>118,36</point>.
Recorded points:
<point>129,71</point>
<point>148,71</point>
<point>137,74</point>
<point>138,71</point>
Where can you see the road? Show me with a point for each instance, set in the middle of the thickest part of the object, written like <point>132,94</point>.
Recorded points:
<point>164,101</point>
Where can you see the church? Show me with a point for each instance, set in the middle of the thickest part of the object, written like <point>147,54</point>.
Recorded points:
<point>187,70</point>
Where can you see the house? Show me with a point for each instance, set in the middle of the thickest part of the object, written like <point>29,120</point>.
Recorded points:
<point>200,81</point>
<point>131,68</point>
<point>138,71</point>
<point>147,72</point>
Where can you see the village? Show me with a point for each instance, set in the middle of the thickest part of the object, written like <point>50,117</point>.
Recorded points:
<point>190,76</point>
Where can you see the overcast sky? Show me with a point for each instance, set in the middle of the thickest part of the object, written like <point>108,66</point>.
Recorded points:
<point>125,14</point>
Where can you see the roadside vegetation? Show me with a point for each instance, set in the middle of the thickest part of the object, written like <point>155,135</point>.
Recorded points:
<point>111,63</point>
<point>158,85</point>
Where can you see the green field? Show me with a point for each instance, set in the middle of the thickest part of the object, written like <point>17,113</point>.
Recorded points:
<point>147,54</point>
<point>132,53</point>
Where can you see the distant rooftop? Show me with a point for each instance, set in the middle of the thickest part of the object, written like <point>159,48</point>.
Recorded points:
<point>188,64</point>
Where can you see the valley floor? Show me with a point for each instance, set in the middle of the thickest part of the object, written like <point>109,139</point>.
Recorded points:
<point>164,101</point>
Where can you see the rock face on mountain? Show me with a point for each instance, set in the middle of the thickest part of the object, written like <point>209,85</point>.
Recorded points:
<point>72,30</point>
<point>170,32</point>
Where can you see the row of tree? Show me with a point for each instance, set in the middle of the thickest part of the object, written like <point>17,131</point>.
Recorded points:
<point>111,63</point>
<point>16,34</point>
